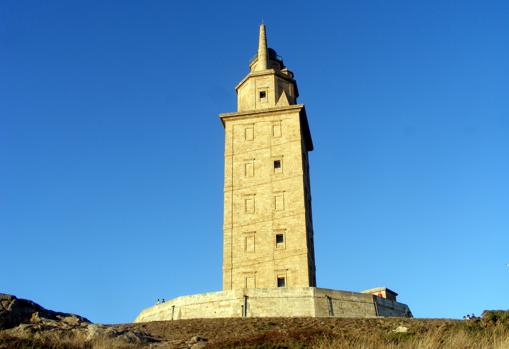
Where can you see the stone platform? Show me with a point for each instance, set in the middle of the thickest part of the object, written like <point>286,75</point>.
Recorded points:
<point>275,302</point>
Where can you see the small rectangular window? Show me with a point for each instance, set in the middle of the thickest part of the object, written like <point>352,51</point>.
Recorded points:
<point>249,168</point>
<point>278,165</point>
<point>276,129</point>
<point>263,94</point>
<point>250,281</point>
<point>279,201</point>
<point>249,204</point>
<point>249,242</point>
<point>249,133</point>
<point>280,240</point>
<point>281,281</point>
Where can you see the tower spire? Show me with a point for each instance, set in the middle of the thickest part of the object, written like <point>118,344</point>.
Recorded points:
<point>262,49</point>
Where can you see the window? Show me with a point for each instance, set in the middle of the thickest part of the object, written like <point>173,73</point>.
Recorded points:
<point>249,204</point>
<point>250,281</point>
<point>249,242</point>
<point>263,96</point>
<point>276,129</point>
<point>280,240</point>
<point>281,277</point>
<point>249,133</point>
<point>279,201</point>
<point>278,165</point>
<point>249,168</point>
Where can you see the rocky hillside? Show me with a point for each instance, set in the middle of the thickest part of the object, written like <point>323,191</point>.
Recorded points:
<point>25,324</point>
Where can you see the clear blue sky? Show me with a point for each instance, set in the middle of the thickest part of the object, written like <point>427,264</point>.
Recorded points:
<point>102,211</point>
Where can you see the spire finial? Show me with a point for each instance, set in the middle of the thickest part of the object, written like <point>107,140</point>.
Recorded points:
<point>262,49</point>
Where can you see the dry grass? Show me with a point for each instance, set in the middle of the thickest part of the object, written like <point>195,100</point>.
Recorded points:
<point>460,339</point>
<point>54,340</point>
<point>46,342</point>
<point>491,331</point>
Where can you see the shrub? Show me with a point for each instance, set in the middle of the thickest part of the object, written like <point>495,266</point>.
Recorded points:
<point>496,317</point>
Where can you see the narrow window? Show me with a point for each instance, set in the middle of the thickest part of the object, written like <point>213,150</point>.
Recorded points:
<point>279,201</point>
<point>262,97</point>
<point>276,129</point>
<point>249,281</point>
<point>249,242</point>
<point>280,241</point>
<point>278,166</point>
<point>281,281</point>
<point>249,204</point>
<point>249,133</point>
<point>249,168</point>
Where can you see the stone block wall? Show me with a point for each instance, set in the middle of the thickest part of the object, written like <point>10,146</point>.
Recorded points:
<point>274,302</point>
<point>262,201</point>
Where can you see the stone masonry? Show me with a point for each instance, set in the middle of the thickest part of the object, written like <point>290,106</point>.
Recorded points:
<point>268,229</point>
<point>268,253</point>
<point>274,302</point>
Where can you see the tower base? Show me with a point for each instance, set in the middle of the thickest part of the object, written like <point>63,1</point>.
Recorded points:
<point>275,302</point>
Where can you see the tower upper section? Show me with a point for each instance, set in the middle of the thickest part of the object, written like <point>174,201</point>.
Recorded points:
<point>269,83</point>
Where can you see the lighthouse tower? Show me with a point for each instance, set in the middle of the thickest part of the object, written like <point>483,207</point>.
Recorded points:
<point>268,251</point>
<point>268,226</point>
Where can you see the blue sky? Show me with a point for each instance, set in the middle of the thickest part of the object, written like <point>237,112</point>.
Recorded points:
<point>111,150</point>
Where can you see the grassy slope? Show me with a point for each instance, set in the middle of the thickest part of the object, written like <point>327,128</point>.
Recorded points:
<point>490,331</point>
<point>336,333</point>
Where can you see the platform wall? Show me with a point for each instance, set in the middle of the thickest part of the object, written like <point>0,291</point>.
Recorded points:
<point>274,302</point>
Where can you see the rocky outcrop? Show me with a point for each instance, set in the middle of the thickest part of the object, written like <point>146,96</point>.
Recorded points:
<point>26,322</point>
<point>15,311</point>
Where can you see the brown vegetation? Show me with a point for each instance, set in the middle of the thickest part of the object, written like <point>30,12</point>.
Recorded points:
<point>489,331</point>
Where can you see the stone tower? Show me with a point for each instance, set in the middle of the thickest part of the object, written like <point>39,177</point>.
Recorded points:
<point>268,261</point>
<point>268,228</point>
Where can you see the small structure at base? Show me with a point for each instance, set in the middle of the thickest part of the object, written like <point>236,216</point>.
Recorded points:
<point>382,292</point>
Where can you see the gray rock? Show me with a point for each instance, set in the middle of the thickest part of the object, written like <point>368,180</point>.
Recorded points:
<point>15,311</point>
<point>401,329</point>
<point>199,345</point>
<point>197,342</point>
<point>196,339</point>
